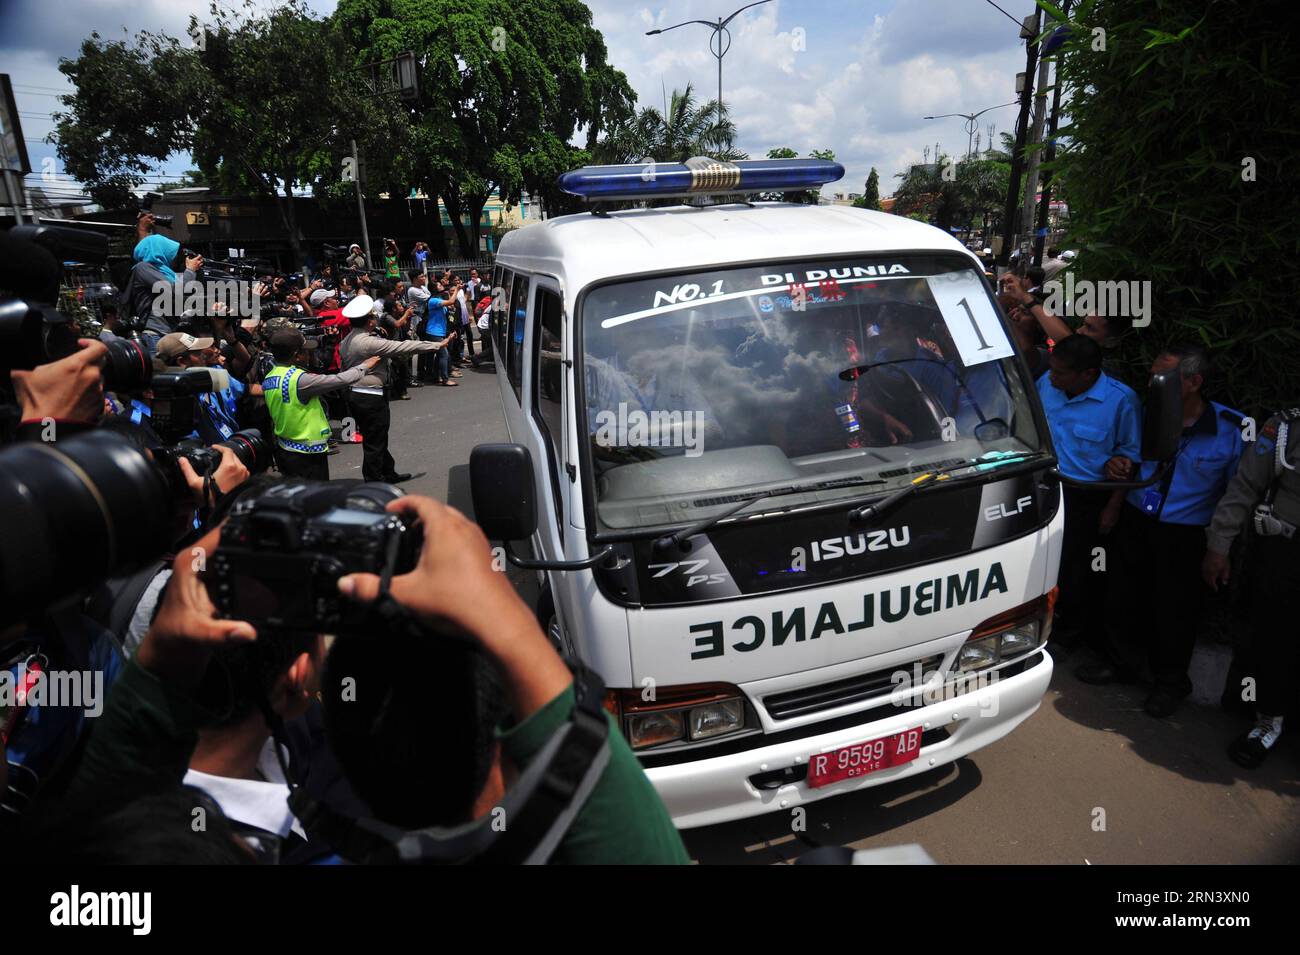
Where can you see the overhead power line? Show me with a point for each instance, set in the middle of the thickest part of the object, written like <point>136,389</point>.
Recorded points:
<point>1003,12</point>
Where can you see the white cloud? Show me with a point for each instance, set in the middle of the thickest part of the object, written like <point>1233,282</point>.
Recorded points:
<point>868,70</point>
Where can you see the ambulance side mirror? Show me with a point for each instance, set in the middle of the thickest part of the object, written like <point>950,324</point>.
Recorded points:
<point>501,485</point>
<point>1163,423</point>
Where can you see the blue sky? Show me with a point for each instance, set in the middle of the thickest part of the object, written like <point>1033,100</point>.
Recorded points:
<point>855,77</point>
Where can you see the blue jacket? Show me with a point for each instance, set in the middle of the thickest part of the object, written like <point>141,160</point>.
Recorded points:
<point>1207,459</point>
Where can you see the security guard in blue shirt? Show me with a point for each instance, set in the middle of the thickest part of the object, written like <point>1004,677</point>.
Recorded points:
<point>1094,421</point>
<point>1155,590</point>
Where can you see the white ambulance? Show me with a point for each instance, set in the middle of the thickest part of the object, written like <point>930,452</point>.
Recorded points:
<point>786,484</point>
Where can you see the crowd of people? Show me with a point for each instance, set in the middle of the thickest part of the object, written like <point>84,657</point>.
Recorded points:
<point>1137,563</point>
<point>203,717</point>
<point>340,345</point>
<point>465,693</point>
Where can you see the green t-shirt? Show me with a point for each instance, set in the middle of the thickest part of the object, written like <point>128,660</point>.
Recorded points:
<point>623,822</point>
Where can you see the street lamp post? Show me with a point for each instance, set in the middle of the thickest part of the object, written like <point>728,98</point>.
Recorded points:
<point>717,40</point>
<point>971,122</point>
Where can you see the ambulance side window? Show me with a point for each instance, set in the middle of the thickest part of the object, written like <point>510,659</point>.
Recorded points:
<point>501,310</point>
<point>548,334</point>
<point>515,344</point>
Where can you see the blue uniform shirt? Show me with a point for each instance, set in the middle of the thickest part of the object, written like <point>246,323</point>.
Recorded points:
<point>1207,459</point>
<point>1090,429</point>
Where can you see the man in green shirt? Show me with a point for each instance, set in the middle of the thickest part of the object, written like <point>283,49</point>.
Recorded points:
<point>146,737</point>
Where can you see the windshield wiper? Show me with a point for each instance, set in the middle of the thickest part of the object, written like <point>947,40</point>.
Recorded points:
<point>677,538</point>
<point>877,509</point>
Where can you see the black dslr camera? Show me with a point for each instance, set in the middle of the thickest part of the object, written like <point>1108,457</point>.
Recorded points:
<point>175,399</point>
<point>283,551</point>
<point>146,207</point>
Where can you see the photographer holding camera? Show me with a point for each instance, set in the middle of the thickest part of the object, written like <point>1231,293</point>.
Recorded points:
<point>66,480</point>
<point>151,288</point>
<point>395,750</point>
<point>356,259</point>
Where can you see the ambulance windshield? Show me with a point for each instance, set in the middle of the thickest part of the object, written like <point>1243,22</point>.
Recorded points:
<point>701,389</point>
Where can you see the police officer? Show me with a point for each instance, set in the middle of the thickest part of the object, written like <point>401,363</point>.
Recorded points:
<point>1094,420</point>
<point>1264,495</point>
<point>368,399</point>
<point>1154,589</point>
<point>302,428</point>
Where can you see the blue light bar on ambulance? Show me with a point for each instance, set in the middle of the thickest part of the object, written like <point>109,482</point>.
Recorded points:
<point>698,176</point>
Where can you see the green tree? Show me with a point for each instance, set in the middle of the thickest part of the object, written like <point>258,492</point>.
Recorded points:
<point>930,192</point>
<point>688,129</point>
<point>982,186</point>
<point>188,180</point>
<point>127,114</point>
<point>1181,130</point>
<point>871,194</point>
<point>239,95</point>
<point>505,87</point>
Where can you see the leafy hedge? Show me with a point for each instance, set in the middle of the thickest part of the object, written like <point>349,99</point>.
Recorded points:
<point>1163,125</point>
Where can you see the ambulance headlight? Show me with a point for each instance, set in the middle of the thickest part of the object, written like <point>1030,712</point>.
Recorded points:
<point>715,719</point>
<point>1008,635</point>
<point>682,713</point>
<point>651,729</point>
<point>1019,640</point>
<point>978,654</point>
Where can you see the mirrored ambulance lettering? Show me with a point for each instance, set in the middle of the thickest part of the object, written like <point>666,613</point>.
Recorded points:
<point>750,632</point>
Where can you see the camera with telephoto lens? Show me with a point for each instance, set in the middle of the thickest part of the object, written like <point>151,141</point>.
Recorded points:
<point>175,405</point>
<point>146,208</point>
<point>32,330</point>
<point>284,549</point>
<point>249,446</point>
<point>88,507</point>
<point>173,416</point>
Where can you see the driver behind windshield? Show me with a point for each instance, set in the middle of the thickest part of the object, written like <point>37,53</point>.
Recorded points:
<point>914,341</point>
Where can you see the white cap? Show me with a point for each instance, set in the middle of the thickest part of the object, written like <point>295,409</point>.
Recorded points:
<point>361,305</point>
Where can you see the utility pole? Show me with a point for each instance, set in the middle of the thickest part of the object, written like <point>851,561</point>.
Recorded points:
<point>360,207</point>
<point>1028,31</point>
<point>1044,210</point>
<point>1035,157</point>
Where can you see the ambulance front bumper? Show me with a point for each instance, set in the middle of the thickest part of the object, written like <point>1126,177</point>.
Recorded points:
<point>704,792</point>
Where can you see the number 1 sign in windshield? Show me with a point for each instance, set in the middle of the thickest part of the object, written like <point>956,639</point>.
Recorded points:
<point>969,317</point>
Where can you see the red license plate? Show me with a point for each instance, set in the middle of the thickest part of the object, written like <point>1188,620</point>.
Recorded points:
<point>860,759</point>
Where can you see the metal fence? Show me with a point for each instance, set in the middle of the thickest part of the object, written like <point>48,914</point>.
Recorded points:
<point>435,266</point>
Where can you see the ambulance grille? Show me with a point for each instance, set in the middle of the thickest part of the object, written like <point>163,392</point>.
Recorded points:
<point>854,689</point>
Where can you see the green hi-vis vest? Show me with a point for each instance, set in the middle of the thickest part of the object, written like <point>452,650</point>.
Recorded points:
<point>300,427</point>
